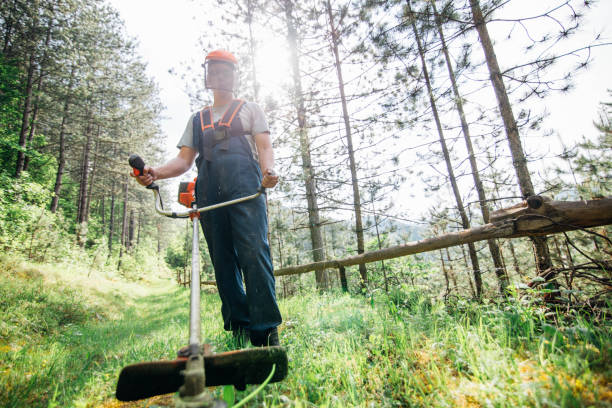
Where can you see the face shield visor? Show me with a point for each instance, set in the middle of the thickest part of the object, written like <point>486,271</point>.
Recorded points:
<point>219,75</point>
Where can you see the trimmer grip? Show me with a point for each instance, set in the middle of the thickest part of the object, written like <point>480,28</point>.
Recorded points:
<point>137,164</point>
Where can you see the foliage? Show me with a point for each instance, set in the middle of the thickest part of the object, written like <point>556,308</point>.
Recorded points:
<point>594,160</point>
<point>26,227</point>
<point>10,101</point>
<point>74,102</point>
<point>401,349</point>
<point>32,310</point>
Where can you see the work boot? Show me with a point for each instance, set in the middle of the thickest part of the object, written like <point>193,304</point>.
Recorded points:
<point>266,338</point>
<point>240,336</point>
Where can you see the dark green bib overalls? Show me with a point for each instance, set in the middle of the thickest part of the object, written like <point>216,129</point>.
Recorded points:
<point>237,236</point>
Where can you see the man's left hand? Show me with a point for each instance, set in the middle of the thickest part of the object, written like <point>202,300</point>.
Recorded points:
<point>270,179</point>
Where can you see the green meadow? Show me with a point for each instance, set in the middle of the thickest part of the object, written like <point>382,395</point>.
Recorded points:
<point>65,347</point>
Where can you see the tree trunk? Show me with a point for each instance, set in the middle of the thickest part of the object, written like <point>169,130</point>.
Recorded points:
<point>384,269</point>
<point>83,190</point>
<point>123,222</point>
<point>343,281</point>
<point>519,161</point>
<point>140,221</point>
<point>111,221</point>
<point>103,214</point>
<point>558,252</point>
<point>500,271</point>
<point>92,177</point>
<point>130,237</point>
<point>451,174</point>
<point>515,262</point>
<point>9,21</point>
<point>514,259</point>
<point>446,280</point>
<point>316,236</point>
<point>61,161</point>
<point>467,266</point>
<point>349,141</point>
<point>38,92</point>
<point>280,248</point>
<point>252,50</point>
<point>25,117</point>
<point>451,271</point>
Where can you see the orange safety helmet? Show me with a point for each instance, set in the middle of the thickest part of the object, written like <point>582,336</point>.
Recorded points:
<point>214,80</point>
<point>222,55</point>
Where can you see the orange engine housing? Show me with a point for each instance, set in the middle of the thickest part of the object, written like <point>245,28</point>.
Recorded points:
<point>187,193</point>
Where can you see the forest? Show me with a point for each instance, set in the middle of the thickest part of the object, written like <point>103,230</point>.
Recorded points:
<point>401,131</point>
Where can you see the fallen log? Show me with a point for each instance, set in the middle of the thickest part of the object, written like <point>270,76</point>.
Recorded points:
<point>518,221</point>
<point>532,217</point>
<point>542,216</point>
<point>484,232</point>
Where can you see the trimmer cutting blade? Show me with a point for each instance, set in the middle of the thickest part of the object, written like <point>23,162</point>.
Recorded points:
<point>238,368</point>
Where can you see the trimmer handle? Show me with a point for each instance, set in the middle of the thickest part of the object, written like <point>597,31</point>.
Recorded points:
<point>138,165</point>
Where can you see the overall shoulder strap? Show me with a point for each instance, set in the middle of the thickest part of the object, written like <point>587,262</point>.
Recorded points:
<point>206,118</point>
<point>231,112</point>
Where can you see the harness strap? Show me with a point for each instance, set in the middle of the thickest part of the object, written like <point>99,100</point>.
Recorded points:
<point>236,104</point>
<point>210,123</point>
<point>226,120</point>
<point>222,131</point>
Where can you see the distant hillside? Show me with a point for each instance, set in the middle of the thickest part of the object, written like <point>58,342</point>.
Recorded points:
<point>399,231</point>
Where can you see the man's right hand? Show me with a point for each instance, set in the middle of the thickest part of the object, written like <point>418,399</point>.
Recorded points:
<point>149,175</point>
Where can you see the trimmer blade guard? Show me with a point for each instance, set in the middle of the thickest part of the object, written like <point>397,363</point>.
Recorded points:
<point>238,368</point>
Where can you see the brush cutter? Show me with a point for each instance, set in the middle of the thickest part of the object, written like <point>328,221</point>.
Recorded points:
<point>197,367</point>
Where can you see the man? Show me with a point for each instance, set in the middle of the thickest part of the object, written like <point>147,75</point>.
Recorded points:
<point>231,140</point>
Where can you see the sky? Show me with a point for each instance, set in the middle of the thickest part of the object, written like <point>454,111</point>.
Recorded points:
<point>168,33</point>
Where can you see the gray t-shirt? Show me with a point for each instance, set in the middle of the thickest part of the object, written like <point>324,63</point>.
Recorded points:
<point>251,116</point>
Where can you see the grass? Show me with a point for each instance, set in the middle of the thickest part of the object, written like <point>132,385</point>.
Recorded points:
<point>64,348</point>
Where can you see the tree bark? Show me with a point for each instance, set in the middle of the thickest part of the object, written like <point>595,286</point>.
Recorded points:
<point>449,167</point>
<point>514,259</point>
<point>61,161</point>
<point>123,222</point>
<point>83,190</point>
<point>103,214</point>
<point>111,221</point>
<point>343,281</point>
<point>92,177</point>
<point>130,237</point>
<point>252,50</point>
<point>446,280</point>
<point>25,117</point>
<point>500,271</point>
<point>316,236</point>
<point>349,141</point>
<point>384,269</point>
<point>467,266</point>
<point>9,21</point>
<point>38,92</point>
<point>519,160</point>
<point>451,271</point>
<point>140,221</point>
